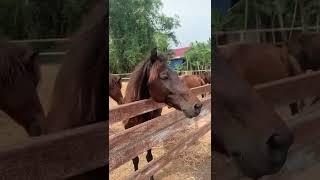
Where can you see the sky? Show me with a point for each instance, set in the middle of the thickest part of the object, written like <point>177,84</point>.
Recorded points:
<point>195,19</point>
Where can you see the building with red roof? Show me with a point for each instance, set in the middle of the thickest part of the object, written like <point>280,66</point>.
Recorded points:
<point>178,57</point>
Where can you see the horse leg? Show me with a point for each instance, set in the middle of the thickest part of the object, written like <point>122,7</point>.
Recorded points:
<point>294,108</point>
<point>135,162</point>
<point>149,158</point>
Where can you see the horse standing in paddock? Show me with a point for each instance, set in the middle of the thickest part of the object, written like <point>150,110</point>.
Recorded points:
<point>206,76</point>
<point>305,47</point>
<point>80,91</point>
<point>115,88</point>
<point>246,128</point>
<point>154,79</point>
<point>19,78</point>
<point>192,81</point>
<point>261,63</point>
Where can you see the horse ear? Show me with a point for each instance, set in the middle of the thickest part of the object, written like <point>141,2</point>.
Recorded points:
<point>153,55</point>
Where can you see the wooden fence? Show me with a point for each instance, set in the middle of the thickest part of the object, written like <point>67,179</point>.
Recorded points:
<point>82,149</point>
<point>276,36</point>
<point>125,76</point>
<point>131,142</point>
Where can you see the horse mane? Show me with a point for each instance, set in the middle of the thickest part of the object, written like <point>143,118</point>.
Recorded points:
<point>80,90</point>
<point>17,60</point>
<point>144,73</point>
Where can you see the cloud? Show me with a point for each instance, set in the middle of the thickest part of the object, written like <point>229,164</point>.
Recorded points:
<point>195,19</point>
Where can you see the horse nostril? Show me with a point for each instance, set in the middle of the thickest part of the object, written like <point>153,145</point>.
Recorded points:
<point>198,106</point>
<point>277,141</point>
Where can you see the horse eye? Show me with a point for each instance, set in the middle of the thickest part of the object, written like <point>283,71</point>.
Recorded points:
<point>164,76</point>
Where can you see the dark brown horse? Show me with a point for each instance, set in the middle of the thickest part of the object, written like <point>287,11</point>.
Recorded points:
<point>244,127</point>
<point>261,63</point>
<point>305,47</point>
<point>115,88</point>
<point>192,81</point>
<point>19,78</point>
<point>80,91</point>
<point>154,79</point>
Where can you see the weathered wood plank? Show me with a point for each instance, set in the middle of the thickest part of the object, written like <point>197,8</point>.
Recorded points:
<point>135,133</point>
<point>156,165</point>
<point>131,147</point>
<point>56,156</point>
<point>126,111</point>
<point>290,89</point>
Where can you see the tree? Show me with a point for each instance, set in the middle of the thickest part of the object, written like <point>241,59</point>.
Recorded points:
<point>23,19</point>
<point>136,27</point>
<point>198,56</point>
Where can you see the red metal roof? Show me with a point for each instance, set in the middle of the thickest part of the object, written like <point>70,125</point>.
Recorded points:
<point>179,52</point>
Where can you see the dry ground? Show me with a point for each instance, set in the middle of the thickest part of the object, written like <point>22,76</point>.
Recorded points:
<point>193,164</point>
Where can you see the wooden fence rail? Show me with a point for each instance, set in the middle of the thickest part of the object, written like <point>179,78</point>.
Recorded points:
<point>129,110</point>
<point>156,165</point>
<point>290,89</point>
<point>131,142</point>
<point>56,156</point>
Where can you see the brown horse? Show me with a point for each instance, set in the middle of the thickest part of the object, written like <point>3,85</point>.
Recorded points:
<point>192,81</point>
<point>244,127</point>
<point>19,78</point>
<point>154,79</point>
<point>115,88</point>
<point>80,91</point>
<point>206,76</point>
<point>261,63</point>
<point>305,47</point>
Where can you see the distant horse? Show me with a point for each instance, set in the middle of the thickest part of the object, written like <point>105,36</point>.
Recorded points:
<point>261,63</point>
<point>115,88</point>
<point>192,81</point>
<point>305,47</point>
<point>206,76</point>
<point>154,79</point>
<point>19,78</point>
<point>245,128</point>
<point>80,91</point>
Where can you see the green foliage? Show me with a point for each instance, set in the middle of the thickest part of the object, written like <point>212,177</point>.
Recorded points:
<point>263,12</point>
<point>23,19</point>
<point>197,57</point>
<point>137,26</point>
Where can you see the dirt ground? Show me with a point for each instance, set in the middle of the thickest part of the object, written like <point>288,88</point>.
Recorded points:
<point>10,132</point>
<point>193,164</point>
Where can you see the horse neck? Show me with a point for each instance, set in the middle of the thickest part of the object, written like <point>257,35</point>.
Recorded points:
<point>80,88</point>
<point>137,88</point>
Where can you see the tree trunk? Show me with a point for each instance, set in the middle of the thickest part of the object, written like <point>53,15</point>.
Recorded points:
<point>257,21</point>
<point>272,26</point>
<point>301,5</point>
<point>318,17</point>
<point>245,21</point>
<point>294,17</point>
<point>280,19</point>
